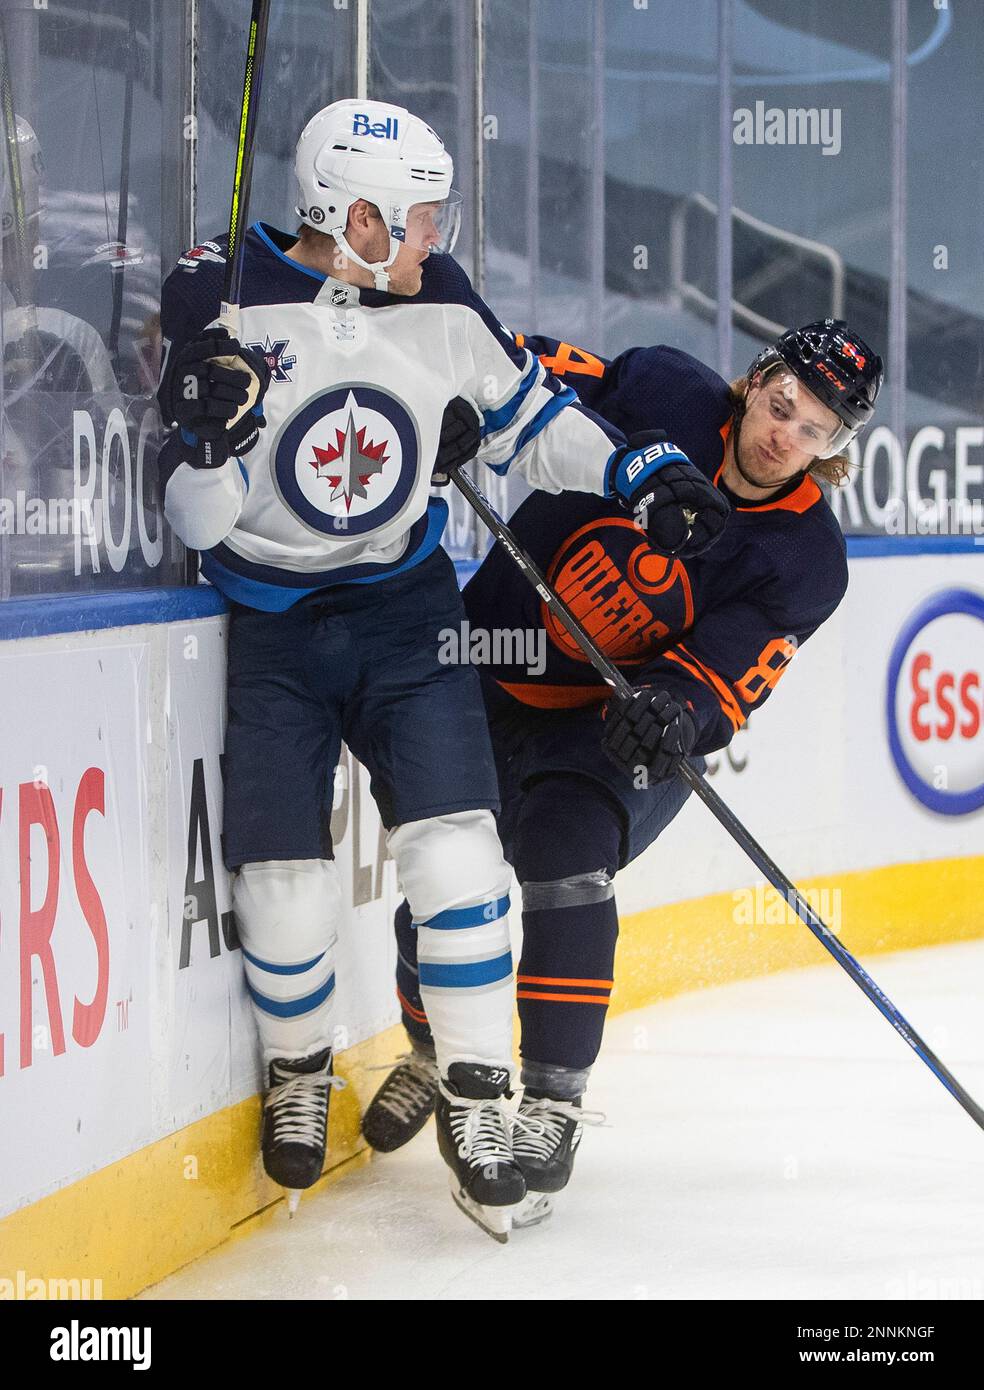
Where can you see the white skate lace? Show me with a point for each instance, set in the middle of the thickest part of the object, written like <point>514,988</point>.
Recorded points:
<point>479,1129</point>
<point>538,1126</point>
<point>300,1107</point>
<point>412,1085</point>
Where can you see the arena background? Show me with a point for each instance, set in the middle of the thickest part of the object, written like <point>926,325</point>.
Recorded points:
<point>595,144</point>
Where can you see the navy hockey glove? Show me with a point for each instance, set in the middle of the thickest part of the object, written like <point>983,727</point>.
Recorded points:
<point>201,395</point>
<point>461,434</point>
<point>680,511</point>
<point>212,453</point>
<point>650,730</point>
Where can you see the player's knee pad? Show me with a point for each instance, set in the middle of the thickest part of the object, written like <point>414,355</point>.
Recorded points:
<point>456,880</point>
<point>449,862</point>
<point>568,825</point>
<point>287,913</point>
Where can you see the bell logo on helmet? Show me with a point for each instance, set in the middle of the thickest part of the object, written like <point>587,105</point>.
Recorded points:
<point>381,130</point>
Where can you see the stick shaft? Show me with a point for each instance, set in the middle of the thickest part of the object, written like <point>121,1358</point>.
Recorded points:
<point>613,677</point>
<point>245,149</point>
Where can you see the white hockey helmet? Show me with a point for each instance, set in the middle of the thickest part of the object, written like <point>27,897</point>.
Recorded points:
<point>369,149</point>
<point>31,168</point>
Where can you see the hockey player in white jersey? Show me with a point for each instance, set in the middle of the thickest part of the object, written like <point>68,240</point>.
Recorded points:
<point>314,514</point>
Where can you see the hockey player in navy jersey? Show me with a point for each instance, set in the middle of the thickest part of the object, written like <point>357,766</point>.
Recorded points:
<point>314,515</point>
<point>588,782</point>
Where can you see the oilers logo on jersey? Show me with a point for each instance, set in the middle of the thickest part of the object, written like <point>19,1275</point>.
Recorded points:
<point>346,462</point>
<point>626,595</point>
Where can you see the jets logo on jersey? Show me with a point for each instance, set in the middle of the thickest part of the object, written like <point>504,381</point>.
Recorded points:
<point>277,358</point>
<point>207,251</point>
<point>350,464</point>
<point>346,462</point>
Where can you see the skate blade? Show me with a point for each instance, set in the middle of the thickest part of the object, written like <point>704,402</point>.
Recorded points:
<point>534,1208</point>
<point>293,1202</point>
<point>494,1221</point>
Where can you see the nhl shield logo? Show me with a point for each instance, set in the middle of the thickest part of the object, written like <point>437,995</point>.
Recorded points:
<point>346,462</point>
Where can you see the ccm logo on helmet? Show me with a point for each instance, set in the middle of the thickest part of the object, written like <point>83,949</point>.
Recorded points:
<point>824,370</point>
<point>382,130</point>
<point>935,702</point>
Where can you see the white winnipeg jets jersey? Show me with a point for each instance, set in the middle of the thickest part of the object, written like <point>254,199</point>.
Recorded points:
<point>338,487</point>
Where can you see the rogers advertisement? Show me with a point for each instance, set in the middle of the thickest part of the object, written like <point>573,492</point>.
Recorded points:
<point>75,940</point>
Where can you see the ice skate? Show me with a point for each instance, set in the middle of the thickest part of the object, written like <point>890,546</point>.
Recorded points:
<point>295,1121</point>
<point>403,1104</point>
<point>546,1135</point>
<point>473,1136</point>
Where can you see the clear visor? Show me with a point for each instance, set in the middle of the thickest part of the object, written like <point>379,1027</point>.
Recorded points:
<point>432,226</point>
<point>808,424</point>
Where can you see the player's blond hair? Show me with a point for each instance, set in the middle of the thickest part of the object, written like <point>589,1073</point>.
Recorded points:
<point>836,470</point>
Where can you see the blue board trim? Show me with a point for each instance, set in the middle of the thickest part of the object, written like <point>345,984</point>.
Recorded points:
<point>40,617</point>
<point>867,547</point>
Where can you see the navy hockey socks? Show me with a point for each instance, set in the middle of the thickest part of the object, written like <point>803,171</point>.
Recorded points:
<point>408,979</point>
<point>567,852</point>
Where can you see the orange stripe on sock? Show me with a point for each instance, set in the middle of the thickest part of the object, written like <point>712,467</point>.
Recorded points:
<point>416,1014</point>
<point>563,998</point>
<point>560,980</point>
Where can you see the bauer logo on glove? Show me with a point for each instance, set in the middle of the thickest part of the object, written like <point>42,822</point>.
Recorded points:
<point>679,509</point>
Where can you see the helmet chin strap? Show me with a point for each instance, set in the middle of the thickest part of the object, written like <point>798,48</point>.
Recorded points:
<point>378,269</point>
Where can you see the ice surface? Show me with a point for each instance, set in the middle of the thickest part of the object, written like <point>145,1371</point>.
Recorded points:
<point>772,1138</point>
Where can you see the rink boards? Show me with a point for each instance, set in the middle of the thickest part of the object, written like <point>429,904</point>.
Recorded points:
<point>127,1076</point>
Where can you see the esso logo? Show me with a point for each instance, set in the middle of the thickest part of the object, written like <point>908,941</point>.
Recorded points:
<point>935,702</point>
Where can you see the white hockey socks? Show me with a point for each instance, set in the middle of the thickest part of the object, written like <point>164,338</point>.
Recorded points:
<point>287,912</point>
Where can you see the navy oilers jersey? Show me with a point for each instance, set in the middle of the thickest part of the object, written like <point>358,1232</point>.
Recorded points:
<point>718,630</point>
<point>338,487</point>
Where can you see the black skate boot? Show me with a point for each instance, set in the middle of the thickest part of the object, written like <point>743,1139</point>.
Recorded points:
<point>546,1134</point>
<point>295,1120</point>
<point>473,1136</point>
<point>404,1102</point>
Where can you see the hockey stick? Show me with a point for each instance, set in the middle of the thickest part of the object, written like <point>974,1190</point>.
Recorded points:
<point>23,253</point>
<point>613,677</point>
<point>123,210</point>
<point>241,185</point>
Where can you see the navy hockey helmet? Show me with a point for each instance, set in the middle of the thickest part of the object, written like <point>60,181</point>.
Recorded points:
<point>834,364</point>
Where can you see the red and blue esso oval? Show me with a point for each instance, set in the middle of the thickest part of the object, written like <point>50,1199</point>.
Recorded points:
<point>935,702</point>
